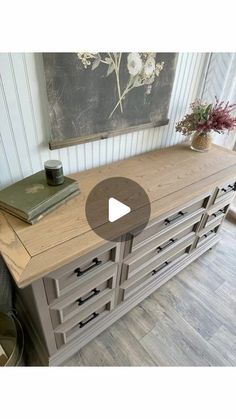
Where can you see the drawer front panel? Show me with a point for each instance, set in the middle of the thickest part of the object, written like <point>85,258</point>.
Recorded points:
<point>157,248</point>
<point>134,268</point>
<point>207,236</point>
<point>167,236</point>
<point>83,296</point>
<point>216,213</point>
<point>157,265</point>
<point>211,225</point>
<point>211,230</point>
<point>225,191</point>
<point>129,288</point>
<point>159,226</point>
<point>87,318</point>
<point>64,280</point>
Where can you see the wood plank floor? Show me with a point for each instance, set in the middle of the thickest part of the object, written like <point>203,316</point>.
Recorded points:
<point>189,321</point>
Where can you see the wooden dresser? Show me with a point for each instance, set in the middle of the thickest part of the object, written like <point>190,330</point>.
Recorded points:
<point>72,284</point>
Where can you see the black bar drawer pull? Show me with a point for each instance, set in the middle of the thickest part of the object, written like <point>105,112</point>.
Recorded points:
<point>209,233</point>
<point>94,292</point>
<point>160,248</point>
<point>221,211</point>
<point>83,323</point>
<point>95,261</point>
<point>160,268</point>
<point>228,189</point>
<point>170,220</point>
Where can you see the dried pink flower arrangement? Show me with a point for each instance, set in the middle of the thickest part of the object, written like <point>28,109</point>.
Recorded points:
<point>208,117</point>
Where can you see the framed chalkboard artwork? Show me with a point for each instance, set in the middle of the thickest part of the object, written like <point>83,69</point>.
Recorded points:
<point>97,95</point>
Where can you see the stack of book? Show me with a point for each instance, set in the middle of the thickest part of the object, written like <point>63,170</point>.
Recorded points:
<point>32,198</point>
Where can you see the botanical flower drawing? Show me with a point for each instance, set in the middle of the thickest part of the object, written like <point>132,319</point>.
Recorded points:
<point>142,69</point>
<point>134,63</point>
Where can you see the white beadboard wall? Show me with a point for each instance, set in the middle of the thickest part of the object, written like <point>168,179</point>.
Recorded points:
<point>24,125</point>
<point>221,82</point>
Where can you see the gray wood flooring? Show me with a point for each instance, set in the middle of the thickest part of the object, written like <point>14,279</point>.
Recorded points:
<point>189,321</point>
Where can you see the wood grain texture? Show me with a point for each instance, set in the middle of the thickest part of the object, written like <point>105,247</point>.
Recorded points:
<point>171,178</point>
<point>106,351</point>
<point>189,321</point>
<point>160,173</point>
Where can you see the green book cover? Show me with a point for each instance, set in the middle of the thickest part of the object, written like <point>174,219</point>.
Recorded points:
<point>37,218</point>
<point>32,196</point>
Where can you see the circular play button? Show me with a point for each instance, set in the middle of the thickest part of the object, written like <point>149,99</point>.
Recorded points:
<point>117,206</point>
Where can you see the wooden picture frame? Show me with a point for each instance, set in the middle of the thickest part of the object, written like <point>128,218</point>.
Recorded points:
<point>96,96</point>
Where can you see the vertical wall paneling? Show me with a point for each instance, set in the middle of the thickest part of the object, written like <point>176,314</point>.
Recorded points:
<point>8,138</point>
<point>116,148</point>
<point>5,171</point>
<point>102,152</point>
<point>128,144</point>
<point>24,103</point>
<point>24,123</point>
<point>36,93</point>
<point>221,82</point>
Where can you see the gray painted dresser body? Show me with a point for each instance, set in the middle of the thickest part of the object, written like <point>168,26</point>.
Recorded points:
<point>68,311</point>
<point>68,306</point>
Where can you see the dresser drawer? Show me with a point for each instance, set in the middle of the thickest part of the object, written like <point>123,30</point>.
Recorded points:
<point>84,295</point>
<point>63,281</point>
<point>217,212</point>
<point>208,232</point>
<point>86,319</point>
<point>136,284</point>
<point>157,248</point>
<point>166,223</point>
<point>158,264</point>
<point>225,191</point>
<point>207,236</point>
<point>166,238</point>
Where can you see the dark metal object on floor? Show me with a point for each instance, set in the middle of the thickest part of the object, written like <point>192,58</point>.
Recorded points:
<point>6,303</point>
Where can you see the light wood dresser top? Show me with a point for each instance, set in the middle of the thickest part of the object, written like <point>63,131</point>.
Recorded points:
<point>171,177</point>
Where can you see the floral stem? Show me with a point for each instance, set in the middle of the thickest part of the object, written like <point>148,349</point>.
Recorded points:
<point>118,81</point>
<point>127,90</point>
<point>117,69</point>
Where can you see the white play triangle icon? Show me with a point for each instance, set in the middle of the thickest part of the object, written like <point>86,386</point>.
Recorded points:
<point>116,209</point>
